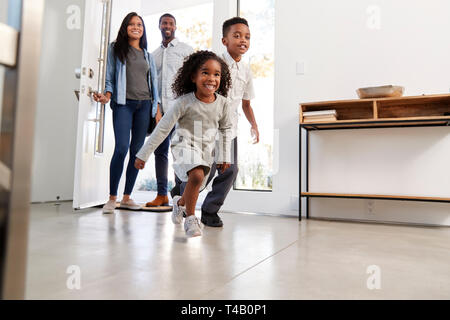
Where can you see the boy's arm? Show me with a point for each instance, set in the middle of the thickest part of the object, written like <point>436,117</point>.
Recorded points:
<point>161,131</point>
<point>248,111</point>
<point>249,94</point>
<point>225,127</point>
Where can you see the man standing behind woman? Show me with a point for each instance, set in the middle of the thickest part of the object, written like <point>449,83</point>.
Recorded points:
<point>131,85</point>
<point>169,57</point>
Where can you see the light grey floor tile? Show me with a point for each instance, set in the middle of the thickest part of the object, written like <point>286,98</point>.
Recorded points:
<point>142,255</point>
<point>330,261</point>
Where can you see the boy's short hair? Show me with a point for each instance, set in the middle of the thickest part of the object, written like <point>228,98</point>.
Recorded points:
<point>169,16</point>
<point>227,24</point>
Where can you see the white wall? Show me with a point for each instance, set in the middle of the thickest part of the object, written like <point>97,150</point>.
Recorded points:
<point>152,7</point>
<point>342,54</point>
<point>56,110</point>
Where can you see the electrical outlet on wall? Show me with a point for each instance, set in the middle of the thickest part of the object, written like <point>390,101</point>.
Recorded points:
<point>300,67</point>
<point>370,207</point>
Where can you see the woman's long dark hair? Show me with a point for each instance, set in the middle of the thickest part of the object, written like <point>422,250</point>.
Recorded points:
<point>121,47</point>
<point>183,81</point>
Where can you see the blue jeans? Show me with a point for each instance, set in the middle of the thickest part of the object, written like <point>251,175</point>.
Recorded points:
<point>133,117</point>
<point>162,164</point>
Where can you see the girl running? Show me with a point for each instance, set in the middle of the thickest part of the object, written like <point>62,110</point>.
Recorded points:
<point>200,112</point>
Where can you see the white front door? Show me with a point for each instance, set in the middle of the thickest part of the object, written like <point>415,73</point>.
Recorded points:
<point>95,139</point>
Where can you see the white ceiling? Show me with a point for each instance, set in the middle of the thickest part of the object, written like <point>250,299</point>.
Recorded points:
<point>157,6</point>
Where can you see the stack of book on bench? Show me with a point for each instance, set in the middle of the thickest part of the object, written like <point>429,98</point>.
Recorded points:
<point>319,116</point>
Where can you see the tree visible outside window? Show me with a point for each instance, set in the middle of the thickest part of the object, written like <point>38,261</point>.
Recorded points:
<point>255,160</point>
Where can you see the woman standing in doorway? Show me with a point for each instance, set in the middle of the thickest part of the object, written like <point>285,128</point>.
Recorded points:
<point>131,85</point>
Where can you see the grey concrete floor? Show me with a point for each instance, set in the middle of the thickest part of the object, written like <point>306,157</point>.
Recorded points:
<point>142,255</point>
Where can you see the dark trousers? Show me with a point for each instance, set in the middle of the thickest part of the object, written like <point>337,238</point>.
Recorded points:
<point>131,118</point>
<point>222,184</point>
<point>162,164</point>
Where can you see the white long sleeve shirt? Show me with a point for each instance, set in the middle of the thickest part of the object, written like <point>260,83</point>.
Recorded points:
<point>168,61</point>
<point>241,88</point>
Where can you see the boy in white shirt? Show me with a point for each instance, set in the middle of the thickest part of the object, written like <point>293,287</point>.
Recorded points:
<point>236,38</point>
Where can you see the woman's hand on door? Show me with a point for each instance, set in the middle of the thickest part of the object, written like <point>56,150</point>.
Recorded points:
<point>102,98</point>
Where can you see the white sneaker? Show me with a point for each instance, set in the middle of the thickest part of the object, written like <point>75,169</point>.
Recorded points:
<point>130,204</point>
<point>192,226</point>
<point>177,211</point>
<point>109,206</point>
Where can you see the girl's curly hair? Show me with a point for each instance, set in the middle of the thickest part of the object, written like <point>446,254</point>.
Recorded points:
<point>183,81</point>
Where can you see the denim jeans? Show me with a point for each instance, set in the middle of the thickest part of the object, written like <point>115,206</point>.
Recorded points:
<point>131,118</point>
<point>162,164</point>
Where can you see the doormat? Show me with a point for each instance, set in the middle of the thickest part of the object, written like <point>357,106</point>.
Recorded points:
<point>151,209</point>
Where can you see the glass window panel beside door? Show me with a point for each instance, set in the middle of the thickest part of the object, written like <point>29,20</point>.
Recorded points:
<point>256,160</point>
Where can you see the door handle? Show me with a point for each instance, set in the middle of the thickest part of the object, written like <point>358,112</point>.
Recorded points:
<point>90,92</point>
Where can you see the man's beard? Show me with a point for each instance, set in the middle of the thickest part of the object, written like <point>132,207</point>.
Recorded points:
<point>165,37</point>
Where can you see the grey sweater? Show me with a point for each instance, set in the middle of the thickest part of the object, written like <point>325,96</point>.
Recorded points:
<point>194,141</point>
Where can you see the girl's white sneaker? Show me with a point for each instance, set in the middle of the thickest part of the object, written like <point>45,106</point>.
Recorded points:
<point>192,226</point>
<point>177,211</point>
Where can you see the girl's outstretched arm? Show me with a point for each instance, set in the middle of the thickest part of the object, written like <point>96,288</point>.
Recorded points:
<point>139,164</point>
<point>161,131</point>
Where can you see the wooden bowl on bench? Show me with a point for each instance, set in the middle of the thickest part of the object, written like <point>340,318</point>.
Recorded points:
<point>380,92</point>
